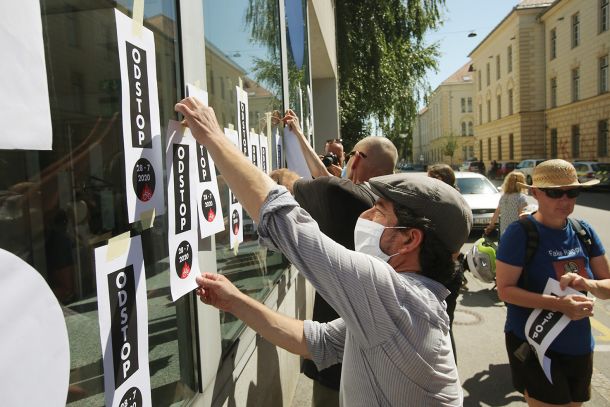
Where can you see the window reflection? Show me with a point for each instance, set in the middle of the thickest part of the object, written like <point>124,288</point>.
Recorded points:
<point>57,206</point>
<point>243,44</point>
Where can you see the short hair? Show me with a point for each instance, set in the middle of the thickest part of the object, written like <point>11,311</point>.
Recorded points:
<point>435,259</point>
<point>381,155</point>
<point>510,186</point>
<point>443,172</point>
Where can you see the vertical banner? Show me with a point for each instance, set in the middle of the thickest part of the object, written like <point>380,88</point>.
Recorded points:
<point>264,158</point>
<point>208,196</point>
<point>255,155</point>
<point>123,318</point>
<point>141,123</point>
<point>279,149</point>
<point>236,213</point>
<point>183,243</point>
<point>294,154</point>
<point>543,326</point>
<point>243,121</point>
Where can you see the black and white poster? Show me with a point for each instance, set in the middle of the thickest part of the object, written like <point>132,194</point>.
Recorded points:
<point>208,204</point>
<point>236,212</point>
<point>543,326</point>
<point>265,157</point>
<point>123,319</point>
<point>255,153</point>
<point>141,126</point>
<point>182,179</point>
<point>243,121</point>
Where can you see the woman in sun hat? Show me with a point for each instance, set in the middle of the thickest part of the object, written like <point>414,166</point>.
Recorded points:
<point>512,202</point>
<point>521,284</point>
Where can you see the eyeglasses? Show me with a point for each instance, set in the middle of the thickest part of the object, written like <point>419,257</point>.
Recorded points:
<point>354,152</point>
<point>334,140</point>
<point>556,193</point>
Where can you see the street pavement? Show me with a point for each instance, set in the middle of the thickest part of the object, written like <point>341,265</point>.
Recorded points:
<point>478,329</point>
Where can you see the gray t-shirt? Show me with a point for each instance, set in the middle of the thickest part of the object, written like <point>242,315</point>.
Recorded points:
<point>510,204</point>
<point>393,334</point>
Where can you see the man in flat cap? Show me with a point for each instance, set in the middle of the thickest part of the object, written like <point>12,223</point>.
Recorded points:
<point>393,334</point>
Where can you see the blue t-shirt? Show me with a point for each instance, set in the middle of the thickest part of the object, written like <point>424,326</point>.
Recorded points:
<point>559,250</point>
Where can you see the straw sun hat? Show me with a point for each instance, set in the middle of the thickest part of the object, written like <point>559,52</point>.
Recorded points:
<point>556,174</point>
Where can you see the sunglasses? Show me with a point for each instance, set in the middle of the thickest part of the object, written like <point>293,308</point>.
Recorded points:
<point>558,193</point>
<point>354,152</point>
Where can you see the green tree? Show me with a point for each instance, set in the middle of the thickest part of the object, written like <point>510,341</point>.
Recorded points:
<point>382,61</point>
<point>450,147</point>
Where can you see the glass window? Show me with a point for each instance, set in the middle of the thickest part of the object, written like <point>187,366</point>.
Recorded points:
<point>509,59</point>
<point>499,147</point>
<point>499,106</point>
<point>463,102</point>
<point>58,205</point>
<point>575,141</point>
<point>489,148</point>
<point>479,79</point>
<point>488,72</point>
<point>510,102</point>
<point>470,129</point>
<point>575,30</point>
<point>464,129</point>
<point>603,16</point>
<point>602,138</point>
<point>553,143</point>
<point>243,44</point>
<point>553,92</point>
<point>469,104</point>
<point>481,149</point>
<point>488,110</point>
<point>603,74</point>
<point>498,70</point>
<point>575,84</point>
<point>553,43</point>
<point>511,147</point>
<point>480,113</point>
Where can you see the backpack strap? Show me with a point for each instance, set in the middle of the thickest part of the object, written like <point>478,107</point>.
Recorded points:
<point>531,243</point>
<point>583,235</point>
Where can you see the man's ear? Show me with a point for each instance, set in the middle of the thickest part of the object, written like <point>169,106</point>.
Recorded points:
<point>413,239</point>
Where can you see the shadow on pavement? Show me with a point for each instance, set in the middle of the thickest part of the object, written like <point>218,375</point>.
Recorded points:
<point>482,298</point>
<point>491,387</point>
<point>594,199</point>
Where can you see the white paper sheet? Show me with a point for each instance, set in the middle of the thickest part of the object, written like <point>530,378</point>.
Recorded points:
<point>208,197</point>
<point>278,153</point>
<point>294,155</point>
<point>34,348</point>
<point>123,317</point>
<point>24,107</point>
<point>543,326</point>
<point>181,165</point>
<point>236,212</point>
<point>141,123</point>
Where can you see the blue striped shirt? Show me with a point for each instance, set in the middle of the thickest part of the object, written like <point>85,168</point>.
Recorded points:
<point>393,334</point>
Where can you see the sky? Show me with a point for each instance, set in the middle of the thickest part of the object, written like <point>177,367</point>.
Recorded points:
<point>460,18</point>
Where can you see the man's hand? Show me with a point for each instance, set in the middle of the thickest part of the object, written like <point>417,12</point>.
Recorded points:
<point>292,121</point>
<point>285,177</point>
<point>199,118</point>
<point>216,290</point>
<point>335,170</point>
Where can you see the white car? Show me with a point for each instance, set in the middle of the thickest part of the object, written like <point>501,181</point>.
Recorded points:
<point>527,168</point>
<point>481,195</point>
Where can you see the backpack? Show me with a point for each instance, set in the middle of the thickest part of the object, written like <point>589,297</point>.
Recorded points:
<point>532,238</point>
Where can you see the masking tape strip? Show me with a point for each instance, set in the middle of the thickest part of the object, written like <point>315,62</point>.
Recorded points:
<point>241,83</point>
<point>147,219</point>
<point>231,126</point>
<point>138,17</point>
<point>236,248</point>
<point>117,246</point>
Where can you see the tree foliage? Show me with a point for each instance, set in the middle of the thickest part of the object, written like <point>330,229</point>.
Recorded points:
<point>450,147</point>
<point>382,62</point>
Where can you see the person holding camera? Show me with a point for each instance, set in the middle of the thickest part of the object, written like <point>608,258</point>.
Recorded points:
<point>334,157</point>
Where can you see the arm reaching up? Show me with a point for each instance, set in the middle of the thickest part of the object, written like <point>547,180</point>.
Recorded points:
<point>314,164</point>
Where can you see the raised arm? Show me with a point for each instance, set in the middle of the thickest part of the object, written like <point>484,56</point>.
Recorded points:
<point>316,168</point>
<point>248,183</point>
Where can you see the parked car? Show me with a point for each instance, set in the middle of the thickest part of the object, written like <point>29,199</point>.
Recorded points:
<point>588,170</point>
<point>503,169</point>
<point>481,195</point>
<point>473,166</point>
<point>527,168</point>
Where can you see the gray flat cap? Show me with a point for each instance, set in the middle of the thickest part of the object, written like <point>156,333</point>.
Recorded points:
<point>432,199</point>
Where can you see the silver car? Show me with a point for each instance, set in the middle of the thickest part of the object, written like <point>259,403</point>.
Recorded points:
<point>481,195</point>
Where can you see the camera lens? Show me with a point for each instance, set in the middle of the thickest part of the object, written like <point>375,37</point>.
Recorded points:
<point>330,159</point>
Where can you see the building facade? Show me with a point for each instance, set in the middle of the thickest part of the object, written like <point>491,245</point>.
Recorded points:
<point>540,84</point>
<point>444,131</point>
<point>57,206</point>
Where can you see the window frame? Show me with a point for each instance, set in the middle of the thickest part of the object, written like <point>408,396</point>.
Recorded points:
<point>575,30</point>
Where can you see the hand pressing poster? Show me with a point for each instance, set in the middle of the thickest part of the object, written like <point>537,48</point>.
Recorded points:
<point>182,237</point>
<point>123,318</point>
<point>141,124</point>
<point>236,212</point>
<point>208,197</point>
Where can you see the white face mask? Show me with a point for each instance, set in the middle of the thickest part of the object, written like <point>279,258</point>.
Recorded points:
<point>367,236</point>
